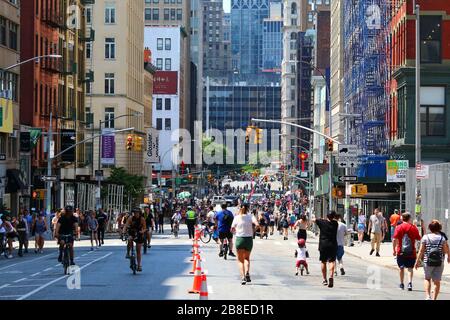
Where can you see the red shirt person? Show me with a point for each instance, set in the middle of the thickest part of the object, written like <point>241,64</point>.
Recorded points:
<point>405,237</point>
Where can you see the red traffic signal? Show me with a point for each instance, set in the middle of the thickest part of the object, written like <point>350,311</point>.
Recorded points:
<point>303,156</point>
<point>129,142</point>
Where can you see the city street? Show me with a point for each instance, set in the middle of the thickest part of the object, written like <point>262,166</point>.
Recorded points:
<point>105,274</point>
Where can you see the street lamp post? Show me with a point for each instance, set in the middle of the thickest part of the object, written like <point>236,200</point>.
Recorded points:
<point>100,122</point>
<point>418,207</point>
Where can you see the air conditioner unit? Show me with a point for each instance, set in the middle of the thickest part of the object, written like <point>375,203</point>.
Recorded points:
<point>14,134</point>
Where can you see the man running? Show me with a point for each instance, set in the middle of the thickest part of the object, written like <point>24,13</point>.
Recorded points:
<point>224,219</point>
<point>67,226</point>
<point>328,246</point>
<point>136,228</point>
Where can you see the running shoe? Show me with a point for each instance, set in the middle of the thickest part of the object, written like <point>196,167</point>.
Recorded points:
<point>330,283</point>
<point>243,281</point>
<point>410,286</point>
<point>247,278</point>
<point>402,286</point>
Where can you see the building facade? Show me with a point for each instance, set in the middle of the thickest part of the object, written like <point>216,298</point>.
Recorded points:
<point>14,190</point>
<point>116,96</point>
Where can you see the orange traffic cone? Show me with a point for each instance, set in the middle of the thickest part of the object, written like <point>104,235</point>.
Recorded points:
<point>204,289</point>
<point>194,267</point>
<point>197,278</point>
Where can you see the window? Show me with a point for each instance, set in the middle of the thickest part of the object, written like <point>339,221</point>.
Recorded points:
<point>148,1</point>
<point>172,14</point>
<point>166,14</point>
<point>9,83</point>
<point>88,88</point>
<point>110,15</point>
<point>179,14</point>
<point>294,8</point>
<point>167,124</point>
<point>13,35</point>
<point>430,39</point>
<point>159,63</point>
<point>158,103</point>
<point>88,50</point>
<point>432,111</point>
<point>109,118</point>
<point>158,124</point>
<point>109,83</point>
<point>167,104</point>
<point>168,64</point>
<point>148,14</point>
<point>110,48</point>
<point>88,15</point>
<point>156,14</point>
<point>168,44</point>
<point>2,31</point>
<point>159,43</point>
<point>179,1</point>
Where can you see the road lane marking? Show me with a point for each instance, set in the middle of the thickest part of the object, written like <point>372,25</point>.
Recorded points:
<point>57,265</point>
<point>210,289</point>
<point>4,286</point>
<point>20,280</point>
<point>60,278</point>
<point>48,269</point>
<point>10,296</point>
<point>24,285</point>
<point>15,264</point>
<point>35,274</point>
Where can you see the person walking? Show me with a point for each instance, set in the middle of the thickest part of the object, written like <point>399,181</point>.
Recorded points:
<point>191,219</point>
<point>21,226</point>
<point>302,225</point>
<point>341,233</point>
<point>284,224</point>
<point>93,226</point>
<point>328,246</point>
<point>55,222</point>
<point>433,249</point>
<point>394,220</point>
<point>40,228</point>
<point>375,232</point>
<point>406,234</point>
<point>242,227</point>
<point>161,221</point>
<point>361,226</point>
<point>102,219</point>
<point>384,226</point>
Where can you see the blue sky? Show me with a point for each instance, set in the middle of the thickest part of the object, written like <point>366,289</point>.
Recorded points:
<point>226,5</point>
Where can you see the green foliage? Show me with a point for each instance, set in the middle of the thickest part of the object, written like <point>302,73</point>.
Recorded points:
<point>133,184</point>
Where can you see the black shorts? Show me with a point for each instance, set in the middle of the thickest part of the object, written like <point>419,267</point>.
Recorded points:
<point>404,262</point>
<point>328,254</point>
<point>68,238</point>
<point>139,238</point>
<point>223,235</point>
<point>301,234</point>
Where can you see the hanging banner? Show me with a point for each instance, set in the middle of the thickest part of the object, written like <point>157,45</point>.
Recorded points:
<point>108,147</point>
<point>35,135</point>
<point>6,115</point>
<point>152,150</point>
<point>165,82</point>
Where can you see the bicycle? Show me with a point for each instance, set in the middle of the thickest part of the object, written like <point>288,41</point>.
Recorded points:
<point>66,252</point>
<point>206,234</point>
<point>133,264</point>
<point>175,228</point>
<point>225,248</point>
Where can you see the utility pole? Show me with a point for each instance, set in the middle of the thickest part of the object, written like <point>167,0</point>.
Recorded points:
<point>49,166</point>
<point>418,207</point>
<point>347,214</point>
<point>99,182</point>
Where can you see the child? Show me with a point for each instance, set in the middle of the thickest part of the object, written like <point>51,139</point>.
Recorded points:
<point>301,254</point>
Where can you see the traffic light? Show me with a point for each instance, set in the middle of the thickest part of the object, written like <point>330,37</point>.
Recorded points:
<point>129,142</point>
<point>330,145</point>
<point>258,136</point>
<point>138,143</point>
<point>34,195</point>
<point>248,133</point>
<point>303,157</point>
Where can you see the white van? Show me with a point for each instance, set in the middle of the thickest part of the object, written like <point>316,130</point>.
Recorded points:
<point>218,200</point>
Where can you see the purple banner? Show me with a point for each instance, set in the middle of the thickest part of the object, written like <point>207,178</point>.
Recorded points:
<point>108,148</point>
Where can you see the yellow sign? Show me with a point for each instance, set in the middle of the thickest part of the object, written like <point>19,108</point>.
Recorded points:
<point>359,190</point>
<point>6,116</point>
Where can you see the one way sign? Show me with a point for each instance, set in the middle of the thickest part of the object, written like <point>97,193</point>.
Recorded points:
<point>348,178</point>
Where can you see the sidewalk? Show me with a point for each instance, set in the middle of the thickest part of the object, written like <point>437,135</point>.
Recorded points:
<point>387,259</point>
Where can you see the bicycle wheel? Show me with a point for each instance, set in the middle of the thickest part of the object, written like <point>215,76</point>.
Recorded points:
<point>66,261</point>
<point>133,264</point>
<point>205,236</point>
<point>225,251</point>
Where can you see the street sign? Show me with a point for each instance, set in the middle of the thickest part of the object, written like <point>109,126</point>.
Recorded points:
<point>348,150</point>
<point>49,178</point>
<point>422,171</point>
<point>347,162</point>
<point>396,170</point>
<point>2,156</point>
<point>348,178</point>
<point>304,174</point>
<point>99,175</point>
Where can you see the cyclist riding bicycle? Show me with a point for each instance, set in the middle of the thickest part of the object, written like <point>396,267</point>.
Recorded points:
<point>66,228</point>
<point>176,218</point>
<point>136,228</point>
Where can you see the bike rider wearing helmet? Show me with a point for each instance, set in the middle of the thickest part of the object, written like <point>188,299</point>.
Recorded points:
<point>150,225</point>
<point>136,228</point>
<point>67,226</point>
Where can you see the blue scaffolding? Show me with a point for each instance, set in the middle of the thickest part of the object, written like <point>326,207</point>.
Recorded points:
<point>366,80</point>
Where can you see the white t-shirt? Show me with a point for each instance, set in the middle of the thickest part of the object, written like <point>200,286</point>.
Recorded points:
<point>340,235</point>
<point>244,225</point>
<point>210,216</point>
<point>301,254</point>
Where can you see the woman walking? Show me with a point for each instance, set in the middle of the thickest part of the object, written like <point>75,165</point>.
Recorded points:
<point>302,225</point>
<point>242,227</point>
<point>92,223</point>
<point>433,249</point>
<point>361,226</point>
<point>22,230</point>
<point>39,227</point>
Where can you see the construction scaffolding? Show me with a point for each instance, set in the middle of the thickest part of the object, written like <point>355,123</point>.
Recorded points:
<point>366,80</point>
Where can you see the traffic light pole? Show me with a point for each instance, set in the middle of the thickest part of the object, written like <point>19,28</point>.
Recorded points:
<point>99,182</point>
<point>347,183</point>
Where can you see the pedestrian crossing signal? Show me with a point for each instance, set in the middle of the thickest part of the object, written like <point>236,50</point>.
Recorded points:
<point>129,142</point>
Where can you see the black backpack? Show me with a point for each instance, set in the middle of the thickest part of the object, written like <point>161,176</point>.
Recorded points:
<point>434,257</point>
<point>407,249</point>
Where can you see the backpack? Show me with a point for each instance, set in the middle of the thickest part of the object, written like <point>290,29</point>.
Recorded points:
<point>434,257</point>
<point>407,249</point>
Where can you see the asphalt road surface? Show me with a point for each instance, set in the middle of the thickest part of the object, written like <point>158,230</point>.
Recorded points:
<point>105,274</point>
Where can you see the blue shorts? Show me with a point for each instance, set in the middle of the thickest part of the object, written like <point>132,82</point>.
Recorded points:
<point>403,262</point>
<point>340,252</point>
<point>361,227</point>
